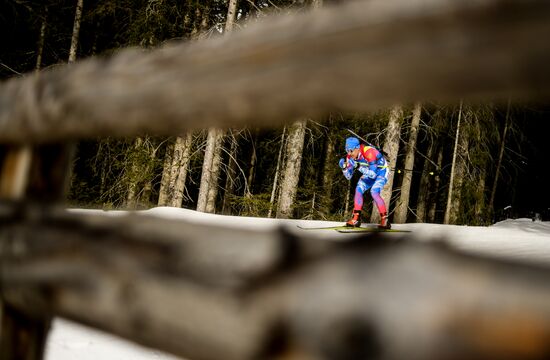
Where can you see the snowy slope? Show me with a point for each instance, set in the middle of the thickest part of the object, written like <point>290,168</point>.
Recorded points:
<point>521,239</point>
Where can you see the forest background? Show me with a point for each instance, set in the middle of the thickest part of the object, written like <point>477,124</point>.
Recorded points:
<point>456,163</point>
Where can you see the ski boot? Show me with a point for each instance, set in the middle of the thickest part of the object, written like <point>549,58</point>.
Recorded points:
<point>355,220</point>
<point>384,222</point>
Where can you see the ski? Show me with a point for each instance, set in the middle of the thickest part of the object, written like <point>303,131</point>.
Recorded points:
<point>339,227</point>
<point>372,229</point>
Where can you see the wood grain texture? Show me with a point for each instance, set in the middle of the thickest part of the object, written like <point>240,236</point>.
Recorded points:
<point>219,292</point>
<point>359,55</point>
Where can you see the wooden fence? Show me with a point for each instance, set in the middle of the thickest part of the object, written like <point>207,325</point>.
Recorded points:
<point>226,293</point>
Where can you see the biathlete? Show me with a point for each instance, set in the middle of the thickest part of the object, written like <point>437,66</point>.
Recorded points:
<point>374,169</point>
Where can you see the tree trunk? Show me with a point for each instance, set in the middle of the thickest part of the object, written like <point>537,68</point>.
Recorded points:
<point>402,208</point>
<point>391,148</point>
<point>231,14</point>
<point>41,40</point>
<point>231,174</point>
<point>212,190</point>
<point>206,174</point>
<point>76,30</point>
<point>499,162</point>
<point>276,177</point>
<point>291,172</point>
<point>253,160</point>
<point>131,197</point>
<point>437,180</point>
<point>215,172</point>
<point>328,175</point>
<point>455,181</point>
<point>164,191</point>
<point>424,188</point>
<point>178,169</point>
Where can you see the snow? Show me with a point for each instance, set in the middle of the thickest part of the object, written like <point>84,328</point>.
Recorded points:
<point>522,240</point>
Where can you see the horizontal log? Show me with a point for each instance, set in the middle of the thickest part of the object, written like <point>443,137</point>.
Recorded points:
<point>157,282</point>
<point>361,55</point>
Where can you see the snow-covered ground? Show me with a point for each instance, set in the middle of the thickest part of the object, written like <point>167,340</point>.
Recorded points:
<point>520,239</point>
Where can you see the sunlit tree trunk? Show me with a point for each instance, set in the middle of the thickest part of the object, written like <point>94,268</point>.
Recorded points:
<point>391,148</point>
<point>164,191</point>
<point>207,169</point>
<point>401,210</point>
<point>172,188</point>
<point>177,156</point>
<point>216,136</point>
<point>291,171</point>
<point>76,30</point>
<point>215,172</point>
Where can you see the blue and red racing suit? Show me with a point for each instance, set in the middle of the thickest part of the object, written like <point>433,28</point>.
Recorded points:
<point>372,164</point>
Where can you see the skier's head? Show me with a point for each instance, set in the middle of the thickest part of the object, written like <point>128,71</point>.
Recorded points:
<point>352,143</point>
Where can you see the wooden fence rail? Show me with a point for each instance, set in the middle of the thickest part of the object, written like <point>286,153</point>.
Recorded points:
<point>238,294</point>
<point>226,293</point>
<point>357,56</point>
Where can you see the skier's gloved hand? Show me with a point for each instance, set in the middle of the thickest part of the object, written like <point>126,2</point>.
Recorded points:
<point>352,163</point>
<point>342,163</point>
<point>367,172</point>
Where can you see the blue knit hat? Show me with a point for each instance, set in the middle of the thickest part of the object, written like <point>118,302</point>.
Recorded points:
<point>352,143</point>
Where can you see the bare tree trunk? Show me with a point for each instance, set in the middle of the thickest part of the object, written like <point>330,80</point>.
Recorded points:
<point>402,208</point>
<point>179,168</point>
<point>131,197</point>
<point>276,177</point>
<point>291,172</point>
<point>231,174</point>
<point>437,180</point>
<point>499,162</point>
<point>424,188</point>
<point>41,39</point>
<point>328,175</point>
<point>217,134</point>
<point>452,207</point>
<point>164,191</point>
<point>391,148</point>
<point>231,15</point>
<point>76,30</point>
<point>207,169</point>
<point>215,172</point>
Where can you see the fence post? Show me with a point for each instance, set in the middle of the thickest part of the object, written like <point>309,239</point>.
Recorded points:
<point>33,174</point>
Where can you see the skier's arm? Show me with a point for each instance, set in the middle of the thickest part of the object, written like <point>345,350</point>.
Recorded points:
<point>347,165</point>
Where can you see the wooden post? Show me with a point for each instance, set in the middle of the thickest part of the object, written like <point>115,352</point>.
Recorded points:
<point>38,174</point>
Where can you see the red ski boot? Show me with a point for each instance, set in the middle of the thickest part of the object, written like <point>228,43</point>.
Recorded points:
<point>355,220</point>
<point>384,222</point>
